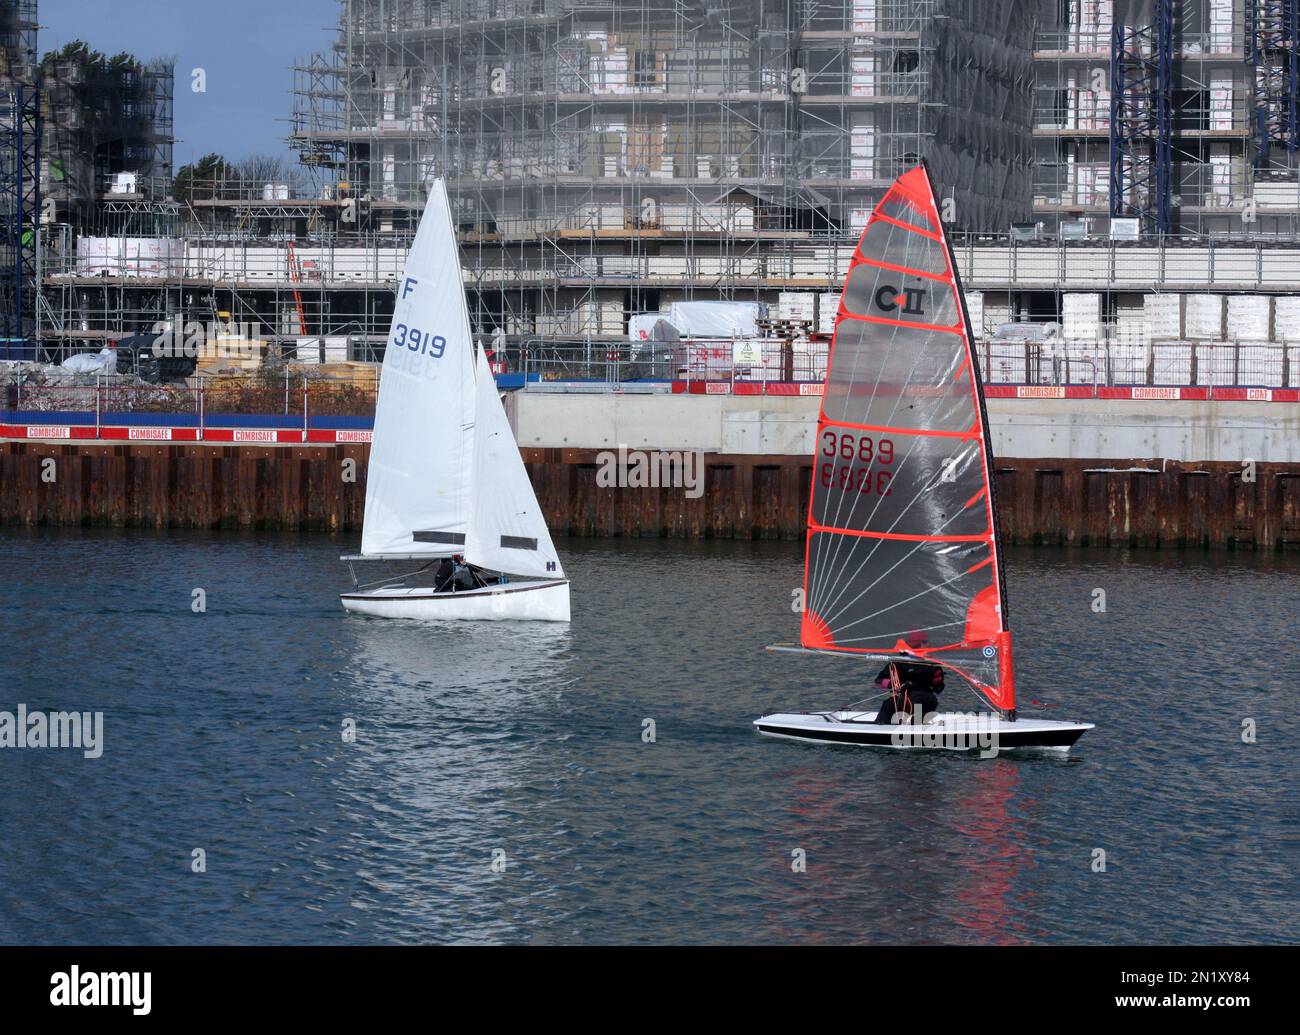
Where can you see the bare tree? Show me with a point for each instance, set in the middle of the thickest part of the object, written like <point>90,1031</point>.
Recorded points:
<point>259,169</point>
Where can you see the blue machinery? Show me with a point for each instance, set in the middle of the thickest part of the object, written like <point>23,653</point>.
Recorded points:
<point>1141,120</point>
<point>1272,39</point>
<point>1142,104</point>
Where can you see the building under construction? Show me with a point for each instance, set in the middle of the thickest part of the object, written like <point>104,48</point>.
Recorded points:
<point>108,138</point>
<point>594,148</point>
<point>1180,114</point>
<point>608,159</point>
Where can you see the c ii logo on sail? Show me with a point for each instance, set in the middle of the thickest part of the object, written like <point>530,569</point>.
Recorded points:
<point>910,301</point>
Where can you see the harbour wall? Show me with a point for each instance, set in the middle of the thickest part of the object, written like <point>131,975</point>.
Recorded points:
<point>1086,472</point>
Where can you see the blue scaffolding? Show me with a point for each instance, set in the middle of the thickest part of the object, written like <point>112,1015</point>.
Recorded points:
<point>20,207</point>
<point>1273,37</point>
<point>1141,120</point>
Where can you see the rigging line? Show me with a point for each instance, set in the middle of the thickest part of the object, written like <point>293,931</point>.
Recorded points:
<point>932,339</point>
<point>969,686</point>
<point>840,580</point>
<point>905,556</point>
<point>864,700</point>
<point>921,492</point>
<point>896,635</point>
<point>874,391</point>
<point>880,499</point>
<point>394,578</point>
<point>860,354</point>
<point>891,344</point>
<point>900,603</point>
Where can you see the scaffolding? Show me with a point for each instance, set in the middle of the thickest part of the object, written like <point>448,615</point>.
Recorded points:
<point>608,159</point>
<point>1274,36</point>
<point>588,144</point>
<point>1200,86</point>
<point>20,194</point>
<point>1141,120</point>
<point>108,151</point>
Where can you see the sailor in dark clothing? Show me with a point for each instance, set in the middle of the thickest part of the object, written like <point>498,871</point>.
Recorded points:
<point>465,576</point>
<point>919,684</point>
<point>454,575</point>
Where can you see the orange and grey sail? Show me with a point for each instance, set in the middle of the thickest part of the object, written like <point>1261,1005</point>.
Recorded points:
<point>902,548</point>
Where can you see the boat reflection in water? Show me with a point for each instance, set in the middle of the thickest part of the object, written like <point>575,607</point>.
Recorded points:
<point>923,849</point>
<point>470,706</point>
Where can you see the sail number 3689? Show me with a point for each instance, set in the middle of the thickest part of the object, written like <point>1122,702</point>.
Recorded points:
<point>423,342</point>
<point>852,466</point>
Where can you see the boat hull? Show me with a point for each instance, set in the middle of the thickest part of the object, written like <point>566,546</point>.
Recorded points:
<point>539,601</point>
<point>949,731</point>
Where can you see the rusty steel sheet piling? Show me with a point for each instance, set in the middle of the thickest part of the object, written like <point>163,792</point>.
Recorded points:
<point>305,488</point>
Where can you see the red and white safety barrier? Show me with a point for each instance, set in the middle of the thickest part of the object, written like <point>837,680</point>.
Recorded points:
<point>247,436</point>
<point>1140,392</point>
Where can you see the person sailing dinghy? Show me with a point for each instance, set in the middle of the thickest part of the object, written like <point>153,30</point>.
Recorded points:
<point>902,561</point>
<point>445,477</point>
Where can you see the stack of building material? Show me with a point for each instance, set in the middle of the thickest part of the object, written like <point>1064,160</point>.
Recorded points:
<point>1165,315</point>
<point>1250,318</point>
<point>227,356</point>
<point>130,257</point>
<point>1259,366</point>
<point>1081,317</point>
<point>828,307</point>
<point>1130,320</point>
<point>716,319</point>
<point>329,351</point>
<point>1003,362</point>
<point>975,309</point>
<point>1171,363</point>
<point>1216,364</point>
<point>1203,320</point>
<point>1127,363</point>
<point>797,306</point>
<point>1286,318</point>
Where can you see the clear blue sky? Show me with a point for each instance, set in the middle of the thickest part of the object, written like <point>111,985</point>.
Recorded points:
<point>247,47</point>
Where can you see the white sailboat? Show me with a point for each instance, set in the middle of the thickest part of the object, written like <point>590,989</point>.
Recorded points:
<point>445,476</point>
<point>903,567</point>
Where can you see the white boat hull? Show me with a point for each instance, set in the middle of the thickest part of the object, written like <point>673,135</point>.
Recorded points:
<point>536,601</point>
<point>950,731</point>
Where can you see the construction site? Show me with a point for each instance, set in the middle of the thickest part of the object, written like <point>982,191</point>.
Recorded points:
<point>663,197</point>
<point>608,160</point>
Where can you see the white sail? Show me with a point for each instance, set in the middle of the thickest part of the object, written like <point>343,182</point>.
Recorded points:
<point>419,481</point>
<point>506,529</point>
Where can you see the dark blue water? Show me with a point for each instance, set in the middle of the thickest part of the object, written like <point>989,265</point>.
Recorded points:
<point>223,733</point>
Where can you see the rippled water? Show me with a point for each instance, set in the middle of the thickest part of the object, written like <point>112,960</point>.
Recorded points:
<point>223,733</point>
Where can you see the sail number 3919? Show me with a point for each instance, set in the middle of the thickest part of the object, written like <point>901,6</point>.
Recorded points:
<point>424,343</point>
<point>856,457</point>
